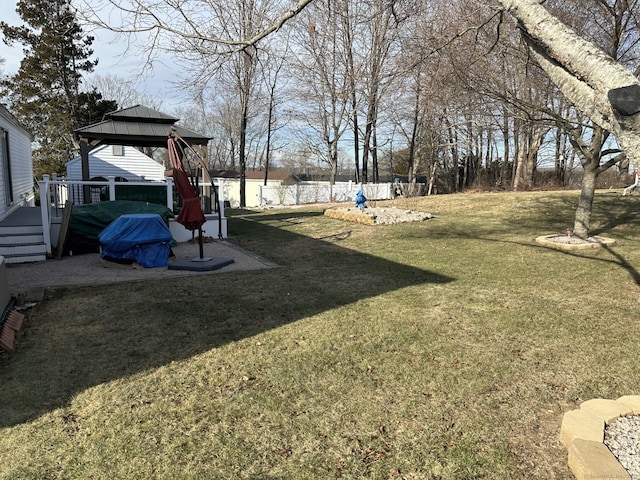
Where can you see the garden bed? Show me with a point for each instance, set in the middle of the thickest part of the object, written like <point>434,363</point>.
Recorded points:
<point>377,216</point>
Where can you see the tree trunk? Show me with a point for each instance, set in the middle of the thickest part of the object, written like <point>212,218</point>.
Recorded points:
<point>356,138</point>
<point>269,133</point>
<point>243,154</point>
<point>374,155</point>
<point>334,170</point>
<point>520,164</point>
<point>504,171</point>
<point>529,147</point>
<point>368,134</point>
<point>559,162</point>
<point>432,179</point>
<point>412,141</point>
<point>582,219</point>
<point>354,101</point>
<point>455,157</point>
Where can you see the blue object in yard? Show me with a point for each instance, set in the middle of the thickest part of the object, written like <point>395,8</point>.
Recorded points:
<point>361,200</point>
<point>144,238</point>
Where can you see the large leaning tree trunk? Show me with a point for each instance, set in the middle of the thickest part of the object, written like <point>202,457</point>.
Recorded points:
<point>594,82</point>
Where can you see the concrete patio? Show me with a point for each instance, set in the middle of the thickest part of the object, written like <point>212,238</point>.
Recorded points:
<point>88,269</point>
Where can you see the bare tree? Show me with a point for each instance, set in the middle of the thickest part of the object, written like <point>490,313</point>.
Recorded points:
<point>592,80</point>
<point>323,83</point>
<point>595,82</point>
<point>352,71</point>
<point>122,91</point>
<point>271,77</point>
<point>380,34</point>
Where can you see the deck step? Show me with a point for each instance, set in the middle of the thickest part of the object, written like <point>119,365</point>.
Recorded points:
<point>25,258</point>
<point>22,236</point>
<point>24,249</point>
<point>21,230</point>
<point>21,239</point>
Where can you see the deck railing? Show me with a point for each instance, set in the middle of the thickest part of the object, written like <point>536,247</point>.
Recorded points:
<point>56,191</point>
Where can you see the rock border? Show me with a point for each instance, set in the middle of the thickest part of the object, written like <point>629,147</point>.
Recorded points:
<point>377,215</point>
<point>598,242</point>
<point>356,215</point>
<point>582,432</point>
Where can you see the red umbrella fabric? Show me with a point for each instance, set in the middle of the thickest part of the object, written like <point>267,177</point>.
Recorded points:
<point>190,215</point>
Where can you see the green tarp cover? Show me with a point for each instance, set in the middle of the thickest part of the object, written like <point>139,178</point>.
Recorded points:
<point>87,221</point>
<point>152,194</point>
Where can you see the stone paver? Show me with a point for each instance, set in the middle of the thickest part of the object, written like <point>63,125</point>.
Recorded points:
<point>583,425</point>
<point>589,459</point>
<point>631,401</point>
<point>607,410</point>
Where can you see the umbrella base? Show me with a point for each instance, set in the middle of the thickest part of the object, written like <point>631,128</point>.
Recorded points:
<point>197,264</point>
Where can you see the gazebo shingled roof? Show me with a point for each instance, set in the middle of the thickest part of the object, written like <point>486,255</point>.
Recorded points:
<point>136,126</point>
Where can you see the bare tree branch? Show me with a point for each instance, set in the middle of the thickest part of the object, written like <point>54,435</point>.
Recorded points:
<point>583,72</point>
<point>174,17</point>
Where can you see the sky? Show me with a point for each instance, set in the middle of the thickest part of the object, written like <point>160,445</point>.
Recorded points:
<point>112,58</point>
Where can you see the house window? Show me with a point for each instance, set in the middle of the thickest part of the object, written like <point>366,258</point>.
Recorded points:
<point>118,150</point>
<point>6,166</point>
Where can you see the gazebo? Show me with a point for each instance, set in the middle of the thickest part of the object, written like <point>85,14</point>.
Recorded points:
<point>136,126</point>
<point>140,126</point>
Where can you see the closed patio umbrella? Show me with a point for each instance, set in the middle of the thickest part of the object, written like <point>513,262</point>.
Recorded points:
<point>190,215</point>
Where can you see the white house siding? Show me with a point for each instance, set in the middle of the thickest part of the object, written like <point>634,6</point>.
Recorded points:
<point>21,163</point>
<point>133,165</point>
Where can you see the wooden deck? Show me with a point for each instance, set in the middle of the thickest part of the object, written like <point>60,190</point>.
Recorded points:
<point>23,217</point>
<point>23,238</point>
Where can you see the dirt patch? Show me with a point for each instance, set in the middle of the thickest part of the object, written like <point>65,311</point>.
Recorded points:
<point>377,216</point>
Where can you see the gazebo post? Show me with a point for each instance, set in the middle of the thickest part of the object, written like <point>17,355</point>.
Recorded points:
<point>84,157</point>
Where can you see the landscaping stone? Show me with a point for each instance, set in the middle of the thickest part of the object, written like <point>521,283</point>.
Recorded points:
<point>591,459</point>
<point>583,425</point>
<point>607,410</point>
<point>631,401</point>
<point>572,243</point>
<point>602,437</point>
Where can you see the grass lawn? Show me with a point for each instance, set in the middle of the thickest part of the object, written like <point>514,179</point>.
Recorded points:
<point>445,349</point>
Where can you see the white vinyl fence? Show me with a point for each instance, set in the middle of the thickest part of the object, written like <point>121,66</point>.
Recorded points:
<point>322,192</point>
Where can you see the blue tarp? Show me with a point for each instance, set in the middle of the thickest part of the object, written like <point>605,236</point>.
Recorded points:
<point>143,238</point>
